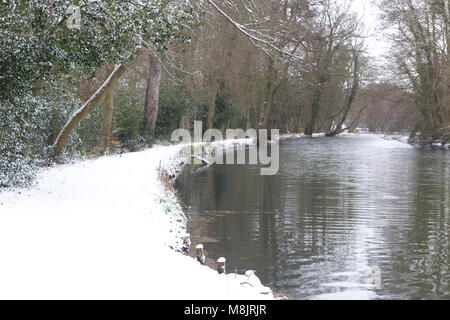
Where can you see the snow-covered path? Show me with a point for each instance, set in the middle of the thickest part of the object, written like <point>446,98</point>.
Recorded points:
<point>101,229</point>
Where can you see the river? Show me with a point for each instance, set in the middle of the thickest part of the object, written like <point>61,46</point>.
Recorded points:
<point>353,217</point>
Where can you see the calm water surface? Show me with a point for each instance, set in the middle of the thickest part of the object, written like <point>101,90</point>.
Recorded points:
<point>338,208</point>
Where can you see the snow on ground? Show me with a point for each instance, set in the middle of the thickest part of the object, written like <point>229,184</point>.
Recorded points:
<point>101,229</point>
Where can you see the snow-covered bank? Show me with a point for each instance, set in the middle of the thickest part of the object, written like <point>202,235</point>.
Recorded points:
<point>386,141</point>
<point>420,141</point>
<point>101,229</point>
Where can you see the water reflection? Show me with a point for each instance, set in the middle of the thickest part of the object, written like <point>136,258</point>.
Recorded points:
<point>336,208</point>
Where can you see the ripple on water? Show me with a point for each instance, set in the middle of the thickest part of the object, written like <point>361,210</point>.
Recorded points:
<point>336,208</point>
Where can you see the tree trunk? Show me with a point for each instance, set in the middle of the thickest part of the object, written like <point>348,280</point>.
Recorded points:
<point>212,106</point>
<point>107,118</point>
<point>87,107</point>
<point>152,94</point>
<point>311,125</point>
<point>270,91</point>
<point>268,109</point>
<point>350,99</point>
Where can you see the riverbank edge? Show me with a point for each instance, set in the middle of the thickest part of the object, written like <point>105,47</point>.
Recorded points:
<point>418,141</point>
<point>169,171</point>
<point>432,144</point>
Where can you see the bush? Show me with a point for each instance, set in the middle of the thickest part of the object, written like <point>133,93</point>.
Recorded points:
<point>128,121</point>
<point>23,140</point>
<point>29,125</point>
<point>173,105</point>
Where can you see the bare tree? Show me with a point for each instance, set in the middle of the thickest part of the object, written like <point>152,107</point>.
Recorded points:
<point>337,27</point>
<point>421,49</point>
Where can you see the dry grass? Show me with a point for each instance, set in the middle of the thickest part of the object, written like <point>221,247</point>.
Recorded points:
<point>165,178</point>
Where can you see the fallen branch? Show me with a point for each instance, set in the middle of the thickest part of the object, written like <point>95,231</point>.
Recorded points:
<point>205,162</point>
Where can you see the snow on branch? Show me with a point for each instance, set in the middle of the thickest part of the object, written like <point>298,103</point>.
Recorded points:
<point>251,36</point>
